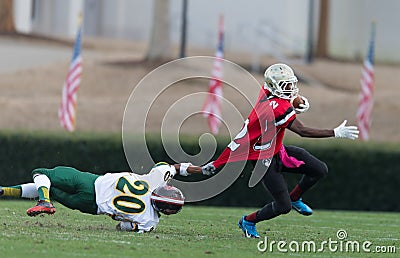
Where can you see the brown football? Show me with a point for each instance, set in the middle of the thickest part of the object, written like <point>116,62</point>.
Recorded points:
<point>297,101</point>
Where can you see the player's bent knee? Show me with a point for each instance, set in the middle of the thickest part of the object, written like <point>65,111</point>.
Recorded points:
<point>37,171</point>
<point>286,209</point>
<point>283,208</point>
<point>320,171</point>
<point>42,171</point>
<point>324,170</point>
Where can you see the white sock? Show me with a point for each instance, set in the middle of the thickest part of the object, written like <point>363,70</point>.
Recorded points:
<point>41,180</point>
<point>29,191</point>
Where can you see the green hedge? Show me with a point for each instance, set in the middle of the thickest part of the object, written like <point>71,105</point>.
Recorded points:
<point>20,153</point>
<point>362,176</point>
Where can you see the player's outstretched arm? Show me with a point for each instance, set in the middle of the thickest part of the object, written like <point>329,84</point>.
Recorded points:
<point>342,131</point>
<point>185,169</point>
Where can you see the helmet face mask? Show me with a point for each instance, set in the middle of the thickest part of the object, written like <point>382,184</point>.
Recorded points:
<point>281,81</point>
<point>167,199</point>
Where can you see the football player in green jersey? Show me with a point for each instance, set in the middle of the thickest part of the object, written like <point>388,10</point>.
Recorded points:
<point>134,200</point>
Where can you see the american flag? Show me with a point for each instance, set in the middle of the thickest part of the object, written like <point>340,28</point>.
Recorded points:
<point>367,88</point>
<point>212,106</point>
<point>67,110</point>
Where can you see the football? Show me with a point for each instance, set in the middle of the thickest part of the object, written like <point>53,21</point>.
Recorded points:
<point>297,101</point>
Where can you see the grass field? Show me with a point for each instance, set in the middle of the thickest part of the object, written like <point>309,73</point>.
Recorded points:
<point>195,232</point>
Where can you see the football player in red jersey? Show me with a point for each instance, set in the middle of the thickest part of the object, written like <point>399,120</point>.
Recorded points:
<point>260,141</point>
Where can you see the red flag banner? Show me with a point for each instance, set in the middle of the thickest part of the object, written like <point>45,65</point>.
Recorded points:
<point>67,110</point>
<point>212,106</point>
<point>367,89</point>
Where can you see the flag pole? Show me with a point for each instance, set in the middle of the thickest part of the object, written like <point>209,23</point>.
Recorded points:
<point>183,29</point>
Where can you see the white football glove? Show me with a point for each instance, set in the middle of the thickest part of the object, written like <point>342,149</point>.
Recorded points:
<point>343,131</point>
<point>208,169</point>
<point>183,169</point>
<point>303,107</point>
<point>126,226</point>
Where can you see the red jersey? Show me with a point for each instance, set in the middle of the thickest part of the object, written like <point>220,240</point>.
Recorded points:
<point>262,133</point>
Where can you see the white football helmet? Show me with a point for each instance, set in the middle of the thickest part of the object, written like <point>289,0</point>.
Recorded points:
<point>281,81</point>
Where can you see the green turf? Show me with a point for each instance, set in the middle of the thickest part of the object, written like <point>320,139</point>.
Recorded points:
<point>195,232</point>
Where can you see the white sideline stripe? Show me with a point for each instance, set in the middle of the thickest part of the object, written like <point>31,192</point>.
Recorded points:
<point>159,198</point>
